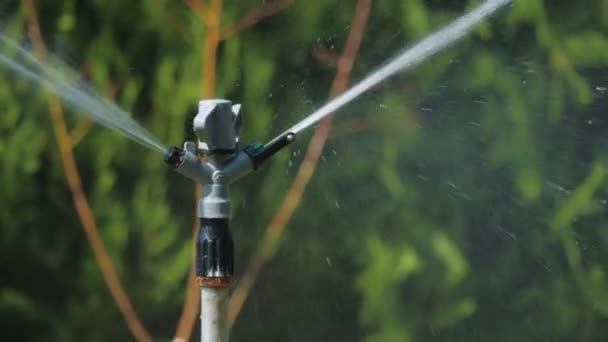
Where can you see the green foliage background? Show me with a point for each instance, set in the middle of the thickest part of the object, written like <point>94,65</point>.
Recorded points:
<point>472,207</point>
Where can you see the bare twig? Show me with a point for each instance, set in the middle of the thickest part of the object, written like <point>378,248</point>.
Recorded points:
<point>81,130</point>
<point>199,9</point>
<point>323,55</point>
<point>254,16</point>
<point>313,152</point>
<point>81,203</point>
<point>209,56</point>
<point>208,85</point>
<point>354,127</point>
<point>190,307</point>
<point>85,125</point>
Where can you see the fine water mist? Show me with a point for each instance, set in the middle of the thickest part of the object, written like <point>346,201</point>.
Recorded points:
<point>67,84</point>
<point>407,59</point>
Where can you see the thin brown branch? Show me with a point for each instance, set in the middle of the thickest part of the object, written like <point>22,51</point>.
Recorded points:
<point>208,84</point>
<point>190,307</point>
<point>84,126</point>
<point>81,130</point>
<point>199,9</point>
<point>323,55</point>
<point>175,23</point>
<point>354,127</point>
<point>209,56</point>
<point>254,16</point>
<point>306,170</point>
<point>81,203</point>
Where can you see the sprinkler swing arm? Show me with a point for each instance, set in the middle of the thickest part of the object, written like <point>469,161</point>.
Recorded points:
<point>216,160</point>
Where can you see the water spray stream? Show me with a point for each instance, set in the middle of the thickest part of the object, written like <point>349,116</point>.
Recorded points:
<point>64,82</point>
<point>406,60</point>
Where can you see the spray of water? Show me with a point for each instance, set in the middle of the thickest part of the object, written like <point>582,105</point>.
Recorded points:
<point>66,83</point>
<point>409,58</point>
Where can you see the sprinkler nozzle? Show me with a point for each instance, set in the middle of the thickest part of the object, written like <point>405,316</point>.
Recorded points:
<point>259,154</point>
<point>186,162</point>
<point>175,157</point>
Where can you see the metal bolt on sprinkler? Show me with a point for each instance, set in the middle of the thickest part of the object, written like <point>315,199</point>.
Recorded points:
<point>216,160</point>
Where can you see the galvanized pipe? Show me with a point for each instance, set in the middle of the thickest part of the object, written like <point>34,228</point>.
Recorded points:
<point>214,314</point>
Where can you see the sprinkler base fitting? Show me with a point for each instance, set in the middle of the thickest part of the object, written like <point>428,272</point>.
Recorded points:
<point>214,283</point>
<point>214,251</point>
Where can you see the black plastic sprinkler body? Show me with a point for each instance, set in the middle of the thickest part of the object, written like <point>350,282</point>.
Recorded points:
<point>216,160</point>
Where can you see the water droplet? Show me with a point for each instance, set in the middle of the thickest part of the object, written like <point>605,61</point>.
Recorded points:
<point>506,232</point>
<point>601,89</point>
<point>590,122</point>
<point>558,187</point>
<point>337,204</point>
<point>382,105</point>
<point>423,178</point>
<point>328,262</point>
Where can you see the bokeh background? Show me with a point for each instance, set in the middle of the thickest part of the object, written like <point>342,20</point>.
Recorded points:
<point>465,200</point>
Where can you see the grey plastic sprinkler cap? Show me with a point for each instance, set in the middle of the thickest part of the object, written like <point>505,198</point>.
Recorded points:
<point>217,126</point>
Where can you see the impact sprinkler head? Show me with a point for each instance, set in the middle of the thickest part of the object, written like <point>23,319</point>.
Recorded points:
<point>216,160</point>
<point>217,126</point>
